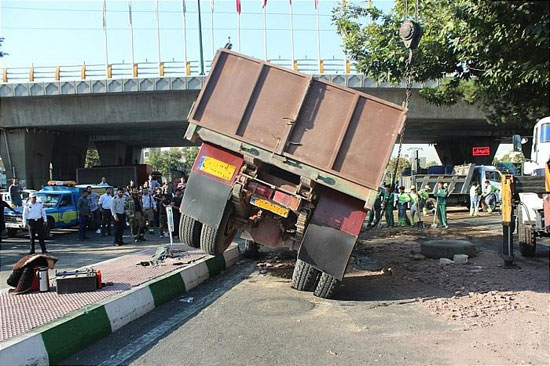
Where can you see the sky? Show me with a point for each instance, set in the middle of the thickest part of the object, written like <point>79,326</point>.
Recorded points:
<point>51,33</point>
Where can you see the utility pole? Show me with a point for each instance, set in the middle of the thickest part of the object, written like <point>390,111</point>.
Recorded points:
<point>200,38</point>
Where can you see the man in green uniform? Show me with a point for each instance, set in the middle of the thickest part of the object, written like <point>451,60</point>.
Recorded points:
<point>403,200</point>
<point>424,194</point>
<point>388,205</point>
<point>441,196</point>
<point>134,207</point>
<point>376,211</point>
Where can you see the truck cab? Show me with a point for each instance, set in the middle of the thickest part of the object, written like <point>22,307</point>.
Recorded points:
<point>540,151</point>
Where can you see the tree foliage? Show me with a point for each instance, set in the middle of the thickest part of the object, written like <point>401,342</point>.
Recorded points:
<point>494,53</point>
<point>403,164</point>
<point>509,158</point>
<point>172,159</point>
<point>92,158</point>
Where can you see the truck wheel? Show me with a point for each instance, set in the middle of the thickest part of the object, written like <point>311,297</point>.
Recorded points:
<point>250,249</point>
<point>215,241</point>
<point>325,287</point>
<point>304,277</point>
<point>12,233</point>
<point>190,231</point>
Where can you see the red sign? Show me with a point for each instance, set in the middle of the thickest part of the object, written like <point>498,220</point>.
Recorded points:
<point>481,151</point>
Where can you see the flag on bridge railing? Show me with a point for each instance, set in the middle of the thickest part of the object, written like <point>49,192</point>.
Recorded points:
<point>183,7</point>
<point>184,20</point>
<point>131,28</point>
<point>292,32</point>
<point>130,13</point>
<point>238,6</point>
<point>264,3</point>
<point>104,14</point>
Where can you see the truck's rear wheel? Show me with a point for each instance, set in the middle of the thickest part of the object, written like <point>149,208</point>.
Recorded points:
<point>304,277</point>
<point>12,233</point>
<point>215,241</point>
<point>190,231</point>
<point>325,287</point>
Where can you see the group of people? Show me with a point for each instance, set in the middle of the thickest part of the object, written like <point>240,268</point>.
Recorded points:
<point>411,206</point>
<point>485,197</point>
<point>142,208</point>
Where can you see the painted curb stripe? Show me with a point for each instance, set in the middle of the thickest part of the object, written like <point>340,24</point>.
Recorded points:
<point>167,288</point>
<point>215,265</point>
<point>29,351</point>
<point>71,336</point>
<point>59,341</point>
<point>195,275</point>
<point>130,307</point>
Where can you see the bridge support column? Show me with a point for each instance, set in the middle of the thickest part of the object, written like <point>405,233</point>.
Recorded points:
<point>133,155</point>
<point>111,152</point>
<point>69,154</point>
<point>27,154</point>
<point>457,151</point>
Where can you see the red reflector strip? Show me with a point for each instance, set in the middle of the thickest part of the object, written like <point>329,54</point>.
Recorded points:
<point>286,200</point>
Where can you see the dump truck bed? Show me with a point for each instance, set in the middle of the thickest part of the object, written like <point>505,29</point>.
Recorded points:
<point>299,120</point>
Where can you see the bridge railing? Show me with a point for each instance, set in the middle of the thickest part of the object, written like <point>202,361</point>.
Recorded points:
<point>153,69</point>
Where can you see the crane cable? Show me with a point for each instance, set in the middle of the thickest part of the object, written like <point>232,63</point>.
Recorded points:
<point>410,32</point>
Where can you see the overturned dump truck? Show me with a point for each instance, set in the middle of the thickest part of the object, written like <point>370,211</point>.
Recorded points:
<point>289,161</point>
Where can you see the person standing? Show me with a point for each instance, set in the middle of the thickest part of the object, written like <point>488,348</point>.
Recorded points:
<point>83,207</point>
<point>15,193</point>
<point>118,211</point>
<point>95,214</point>
<point>153,184</point>
<point>134,207</point>
<point>103,182</point>
<point>149,208</point>
<point>416,211</point>
<point>176,203</point>
<point>3,204</point>
<point>441,196</point>
<point>403,200</point>
<point>376,211</point>
<point>475,194</point>
<point>424,195</point>
<point>34,218</point>
<point>389,198</point>
<point>489,196</point>
<point>105,207</point>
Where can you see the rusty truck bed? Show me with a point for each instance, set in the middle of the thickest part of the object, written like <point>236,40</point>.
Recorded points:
<point>338,130</point>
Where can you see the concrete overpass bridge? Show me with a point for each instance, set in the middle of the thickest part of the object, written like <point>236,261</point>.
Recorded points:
<point>56,121</point>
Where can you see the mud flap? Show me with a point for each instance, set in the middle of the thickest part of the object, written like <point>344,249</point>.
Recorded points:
<point>205,199</point>
<point>327,249</point>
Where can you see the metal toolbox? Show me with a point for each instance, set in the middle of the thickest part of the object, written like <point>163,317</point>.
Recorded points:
<point>69,282</point>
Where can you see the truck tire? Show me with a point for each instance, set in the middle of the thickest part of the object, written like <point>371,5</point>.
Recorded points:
<point>12,233</point>
<point>215,241</point>
<point>190,231</point>
<point>304,277</point>
<point>526,236</point>
<point>325,287</point>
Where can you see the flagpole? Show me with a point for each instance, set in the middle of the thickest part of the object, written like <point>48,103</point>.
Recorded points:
<point>131,31</point>
<point>158,32</point>
<point>292,32</point>
<point>265,30</point>
<point>318,38</point>
<point>200,37</point>
<point>105,34</point>
<point>239,32</point>
<point>212,27</point>
<point>183,11</point>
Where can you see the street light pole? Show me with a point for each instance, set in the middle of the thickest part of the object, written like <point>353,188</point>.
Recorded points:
<point>200,37</point>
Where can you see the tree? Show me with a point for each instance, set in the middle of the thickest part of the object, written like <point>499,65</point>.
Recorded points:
<point>403,164</point>
<point>516,158</point>
<point>92,158</point>
<point>432,163</point>
<point>189,155</point>
<point>165,161</point>
<point>494,53</point>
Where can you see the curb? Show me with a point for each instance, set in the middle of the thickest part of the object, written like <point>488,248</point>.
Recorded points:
<point>54,342</point>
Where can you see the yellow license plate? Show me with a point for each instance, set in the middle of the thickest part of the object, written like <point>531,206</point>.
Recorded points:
<point>270,206</point>
<point>217,168</point>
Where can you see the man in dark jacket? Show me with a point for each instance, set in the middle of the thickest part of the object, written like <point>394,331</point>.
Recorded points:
<point>83,206</point>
